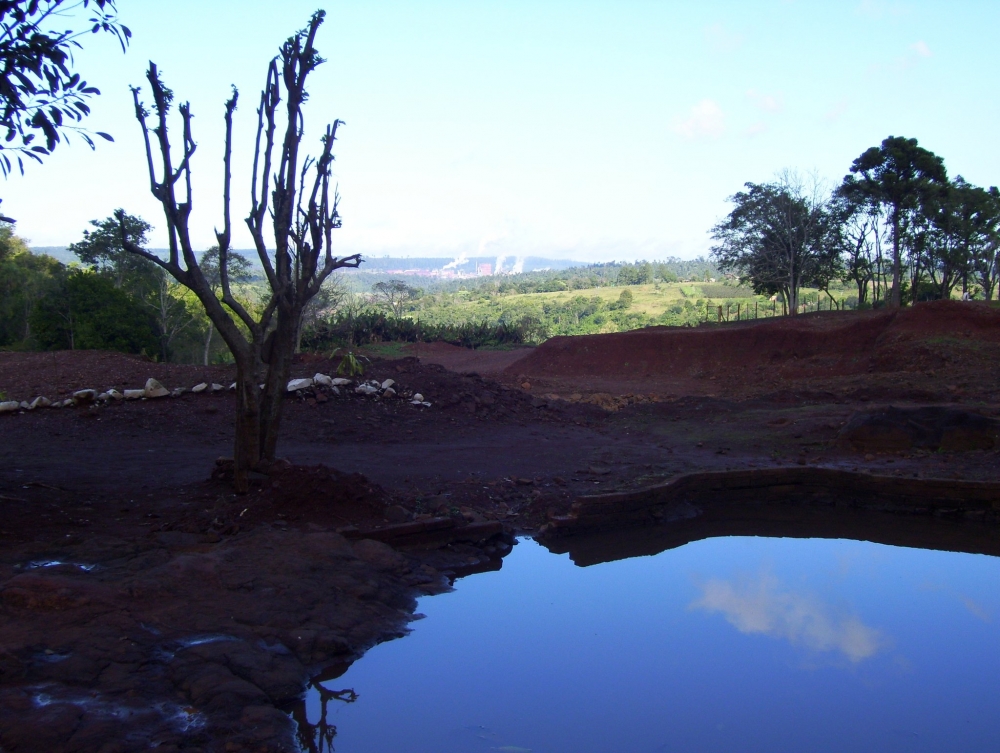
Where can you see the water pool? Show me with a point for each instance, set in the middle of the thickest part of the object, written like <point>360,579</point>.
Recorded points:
<point>724,644</point>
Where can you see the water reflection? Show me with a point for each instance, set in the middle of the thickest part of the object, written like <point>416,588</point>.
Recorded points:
<point>760,605</point>
<point>720,642</point>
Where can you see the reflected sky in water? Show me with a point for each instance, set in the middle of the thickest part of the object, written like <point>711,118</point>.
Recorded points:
<point>728,644</point>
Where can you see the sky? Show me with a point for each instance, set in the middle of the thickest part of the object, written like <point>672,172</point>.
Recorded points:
<point>593,131</point>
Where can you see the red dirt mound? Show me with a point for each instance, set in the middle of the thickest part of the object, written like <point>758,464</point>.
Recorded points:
<point>466,360</point>
<point>813,345</point>
<point>307,494</point>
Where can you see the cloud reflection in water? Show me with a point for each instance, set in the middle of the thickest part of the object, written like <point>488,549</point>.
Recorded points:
<point>759,605</point>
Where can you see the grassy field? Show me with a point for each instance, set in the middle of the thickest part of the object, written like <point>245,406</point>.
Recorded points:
<point>599,309</point>
<point>652,300</point>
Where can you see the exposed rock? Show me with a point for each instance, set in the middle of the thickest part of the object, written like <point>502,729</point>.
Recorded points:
<point>397,514</point>
<point>929,428</point>
<point>41,402</point>
<point>388,383</point>
<point>299,384</point>
<point>323,380</point>
<point>134,394</point>
<point>232,387</point>
<point>85,396</point>
<point>366,389</point>
<point>155,389</point>
<point>178,391</point>
<point>200,387</point>
<point>341,382</point>
<point>104,397</point>
<point>25,405</point>
<point>389,392</point>
<point>114,394</point>
<point>418,398</point>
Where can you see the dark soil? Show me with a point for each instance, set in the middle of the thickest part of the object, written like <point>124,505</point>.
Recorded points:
<point>207,612</point>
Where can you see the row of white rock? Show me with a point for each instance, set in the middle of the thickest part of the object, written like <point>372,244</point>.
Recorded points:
<point>154,389</point>
<point>371,387</point>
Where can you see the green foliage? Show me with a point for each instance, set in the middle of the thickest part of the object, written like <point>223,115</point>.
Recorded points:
<point>779,237</point>
<point>102,250</point>
<point>393,295</point>
<point>625,300</point>
<point>369,327</point>
<point>25,278</point>
<point>88,312</point>
<point>350,365</point>
<point>40,96</point>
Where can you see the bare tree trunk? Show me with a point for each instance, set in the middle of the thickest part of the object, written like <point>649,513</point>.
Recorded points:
<point>895,295</point>
<point>208,342</point>
<point>246,451</point>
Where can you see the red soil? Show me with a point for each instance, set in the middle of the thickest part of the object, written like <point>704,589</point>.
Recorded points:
<point>464,360</point>
<point>810,346</point>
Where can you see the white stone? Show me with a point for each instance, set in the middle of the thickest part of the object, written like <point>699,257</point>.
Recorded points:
<point>104,396</point>
<point>41,402</point>
<point>200,387</point>
<point>134,394</point>
<point>232,387</point>
<point>155,389</point>
<point>114,394</point>
<point>67,403</point>
<point>366,389</point>
<point>25,406</point>
<point>299,384</point>
<point>341,382</point>
<point>389,392</point>
<point>335,390</point>
<point>178,391</point>
<point>388,383</point>
<point>216,387</point>
<point>426,404</point>
<point>9,406</point>
<point>418,398</point>
<point>84,396</point>
<point>323,379</point>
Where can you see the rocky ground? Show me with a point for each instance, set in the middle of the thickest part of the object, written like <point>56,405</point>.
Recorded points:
<point>144,604</point>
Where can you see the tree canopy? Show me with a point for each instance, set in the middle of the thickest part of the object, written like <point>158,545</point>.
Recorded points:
<point>899,175</point>
<point>779,237</point>
<point>40,94</point>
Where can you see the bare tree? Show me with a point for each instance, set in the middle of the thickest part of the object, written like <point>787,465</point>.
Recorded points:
<point>296,192</point>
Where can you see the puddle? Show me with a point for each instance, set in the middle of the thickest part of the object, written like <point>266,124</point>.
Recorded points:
<point>730,643</point>
<point>44,564</point>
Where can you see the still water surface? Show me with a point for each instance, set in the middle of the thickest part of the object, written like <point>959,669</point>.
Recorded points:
<point>727,644</point>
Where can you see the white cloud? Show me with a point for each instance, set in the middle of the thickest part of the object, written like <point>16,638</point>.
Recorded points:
<point>755,129</point>
<point>705,120</point>
<point>766,102</point>
<point>921,49</point>
<point>759,607</point>
<point>720,39</point>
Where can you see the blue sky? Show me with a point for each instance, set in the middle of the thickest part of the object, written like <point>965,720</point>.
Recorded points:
<point>587,130</point>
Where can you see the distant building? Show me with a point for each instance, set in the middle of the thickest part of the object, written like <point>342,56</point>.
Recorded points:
<point>484,270</point>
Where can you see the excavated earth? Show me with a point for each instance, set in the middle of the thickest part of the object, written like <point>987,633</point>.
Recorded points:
<point>145,605</point>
